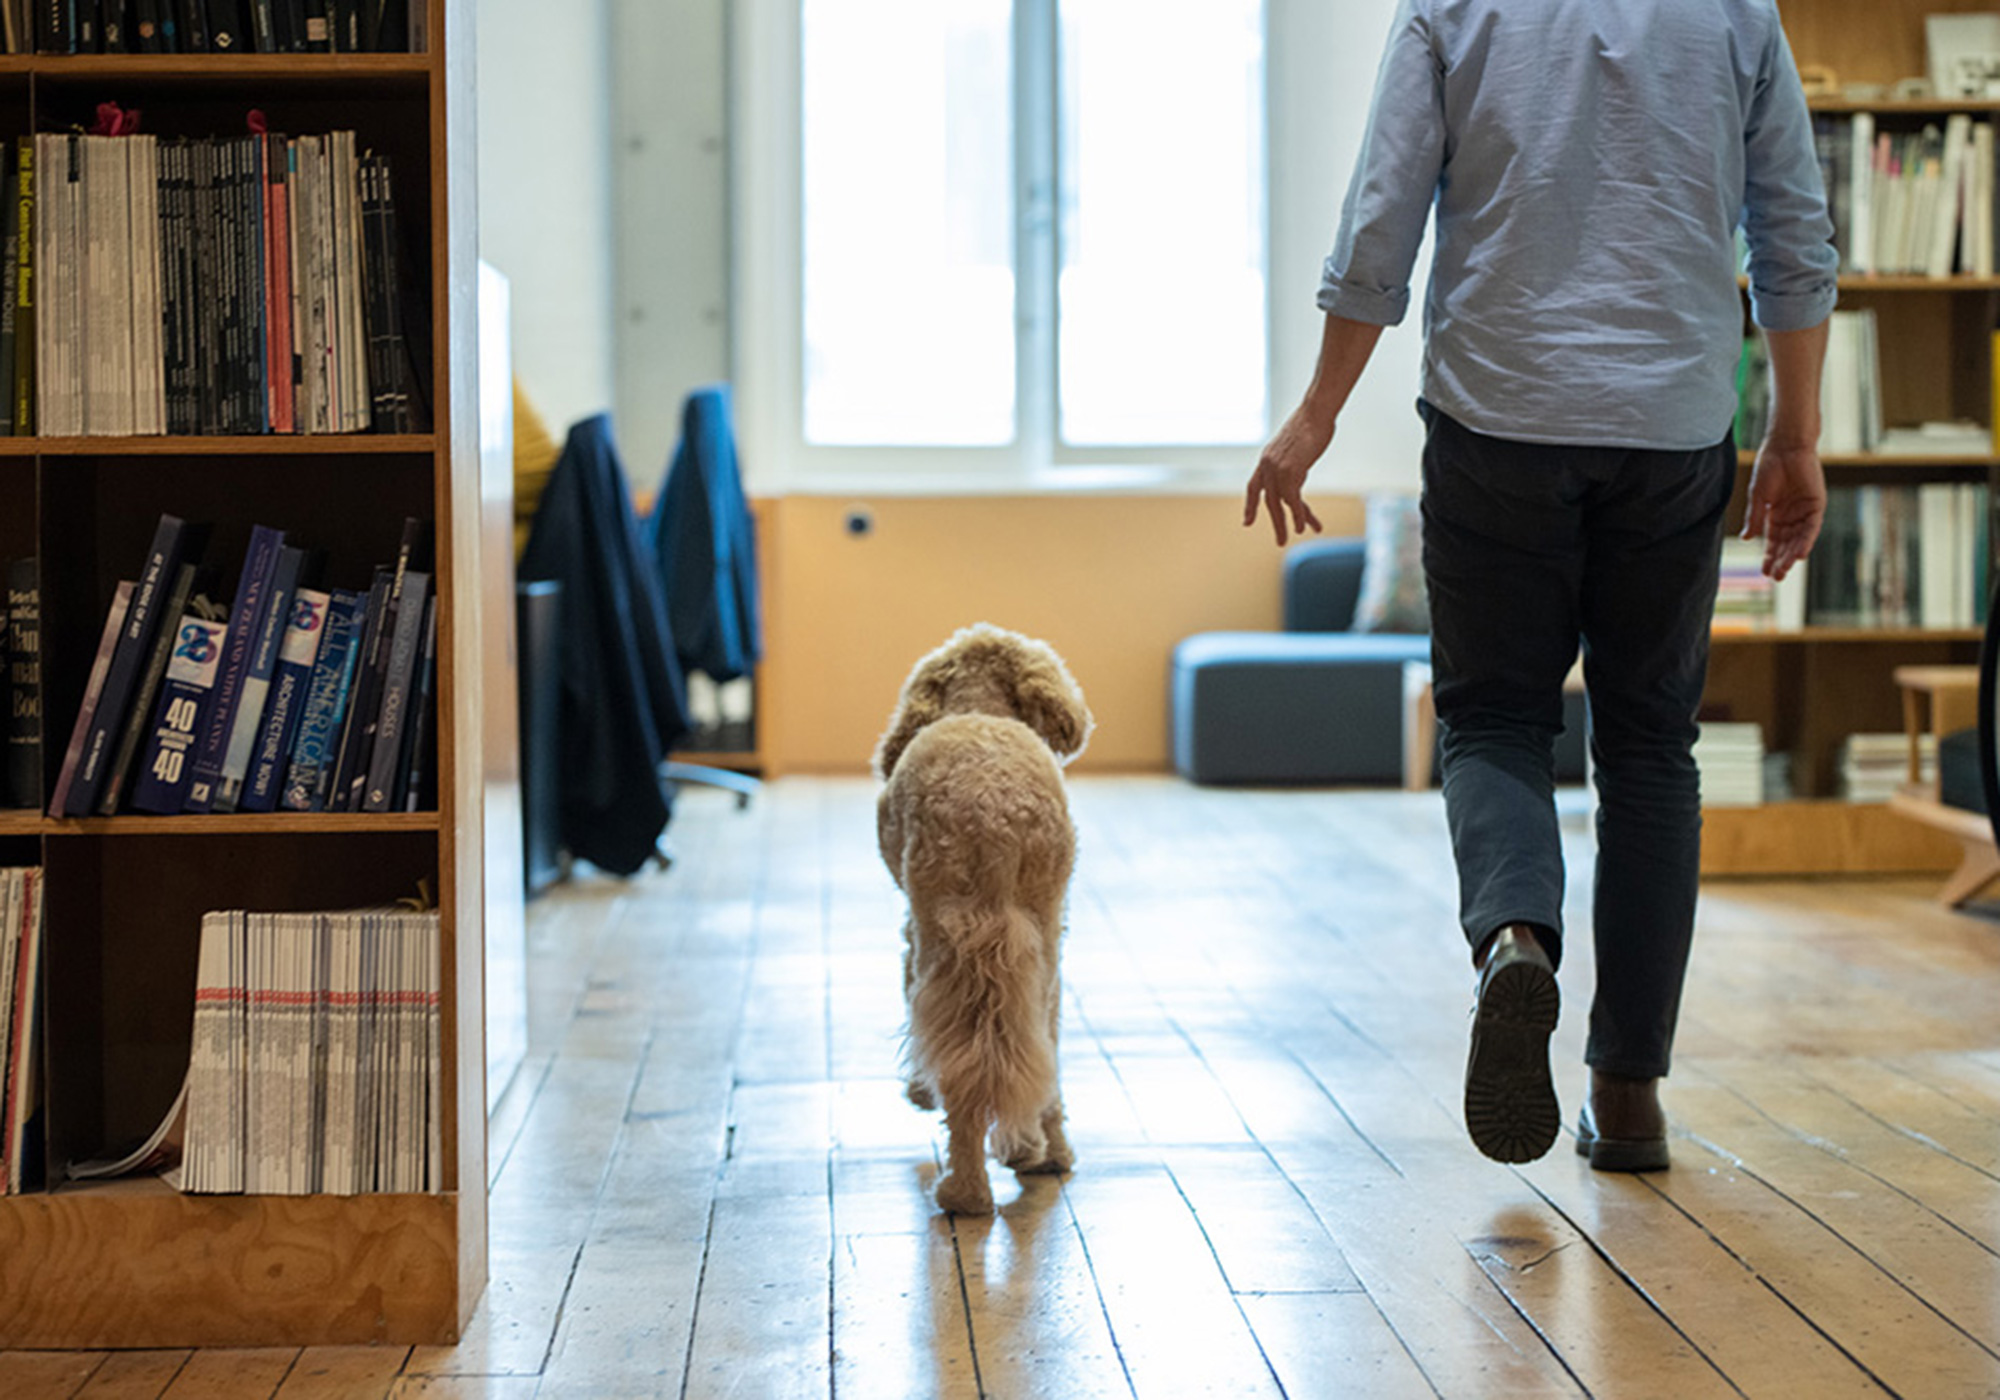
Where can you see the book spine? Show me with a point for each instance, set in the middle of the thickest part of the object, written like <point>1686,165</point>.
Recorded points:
<point>142,622</point>
<point>325,703</point>
<point>414,794</point>
<point>10,277</point>
<point>303,634</point>
<point>22,386</point>
<point>246,617</point>
<point>141,707</point>
<point>23,772</point>
<point>391,728</point>
<point>257,685</point>
<point>363,699</point>
<point>185,690</point>
<point>107,644</point>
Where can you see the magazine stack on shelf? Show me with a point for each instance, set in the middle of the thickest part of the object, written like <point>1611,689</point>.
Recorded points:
<point>227,285</point>
<point>1874,766</point>
<point>315,1063</point>
<point>1730,758</point>
<point>20,1007</point>
<point>214,26</point>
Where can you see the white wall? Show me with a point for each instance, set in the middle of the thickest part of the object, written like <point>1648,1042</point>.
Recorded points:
<point>545,194</point>
<point>670,96</point>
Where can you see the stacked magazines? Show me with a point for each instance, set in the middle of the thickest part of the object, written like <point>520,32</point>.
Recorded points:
<point>249,284</point>
<point>20,957</point>
<point>315,1064</point>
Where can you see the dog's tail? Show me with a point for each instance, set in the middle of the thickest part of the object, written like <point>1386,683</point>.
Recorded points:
<point>979,1024</point>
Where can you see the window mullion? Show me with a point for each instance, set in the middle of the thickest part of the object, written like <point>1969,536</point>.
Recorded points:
<point>1036,223</point>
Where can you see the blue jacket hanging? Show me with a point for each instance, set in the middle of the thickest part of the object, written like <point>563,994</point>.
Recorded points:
<point>623,700</point>
<point>705,543</point>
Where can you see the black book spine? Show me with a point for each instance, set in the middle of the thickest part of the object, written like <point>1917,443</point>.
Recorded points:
<point>263,28</point>
<point>414,785</point>
<point>113,30</point>
<point>148,29</point>
<point>140,711</point>
<point>192,26</point>
<point>364,698</point>
<point>257,345</point>
<point>392,726</point>
<point>318,26</point>
<point>207,266</point>
<point>57,22</point>
<point>23,771</point>
<point>226,30</point>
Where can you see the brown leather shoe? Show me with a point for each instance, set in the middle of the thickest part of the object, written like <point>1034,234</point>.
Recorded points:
<point>1511,1111</point>
<point>1622,1127</point>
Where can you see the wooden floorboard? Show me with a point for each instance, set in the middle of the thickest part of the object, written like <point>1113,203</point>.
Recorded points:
<point>706,1180</point>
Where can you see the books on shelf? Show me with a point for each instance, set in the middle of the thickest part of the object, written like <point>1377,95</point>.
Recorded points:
<point>21,658</point>
<point>316,1058</point>
<point>1874,766</point>
<point>253,713</point>
<point>1915,202</point>
<point>1746,600</point>
<point>1902,556</point>
<point>213,26</point>
<point>224,285</point>
<point>1730,758</point>
<point>21,921</point>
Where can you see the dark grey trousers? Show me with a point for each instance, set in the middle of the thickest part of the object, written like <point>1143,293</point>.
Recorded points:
<point>1530,549</point>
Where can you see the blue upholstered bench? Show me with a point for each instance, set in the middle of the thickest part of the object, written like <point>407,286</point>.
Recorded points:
<point>1315,703</point>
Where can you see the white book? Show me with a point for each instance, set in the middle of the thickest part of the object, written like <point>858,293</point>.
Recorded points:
<point>1840,387</point>
<point>1979,199</point>
<point>149,375</point>
<point>1937,543</point>
<point>1948,211</point>
<point>1861,194</point>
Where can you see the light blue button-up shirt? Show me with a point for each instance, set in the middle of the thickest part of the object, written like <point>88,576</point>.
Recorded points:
<point>1589,162</point>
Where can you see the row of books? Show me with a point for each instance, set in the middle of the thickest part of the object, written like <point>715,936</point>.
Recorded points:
<point>20,1077</point>
<point>1913,202</point>
<point>1851,419</point>
<point>214,26</point>
<point>1888,556</point>
<point>241,285</point>
<point>302,699</point>
<point>315,1063</point>
<point>21,685</point>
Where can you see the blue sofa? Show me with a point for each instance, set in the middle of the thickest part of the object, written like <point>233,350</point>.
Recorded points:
<point>1315,703</point>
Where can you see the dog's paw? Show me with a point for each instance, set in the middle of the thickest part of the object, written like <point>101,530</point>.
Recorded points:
<point>959,1193</point>
<point>1053,1163</point>
<point>920,1094</point>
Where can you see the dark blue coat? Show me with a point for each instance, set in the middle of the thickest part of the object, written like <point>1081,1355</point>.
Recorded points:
<point>623,700</point>
<point>703,536</point>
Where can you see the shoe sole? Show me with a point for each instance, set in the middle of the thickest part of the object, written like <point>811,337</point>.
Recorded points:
<point>1510,1100</point>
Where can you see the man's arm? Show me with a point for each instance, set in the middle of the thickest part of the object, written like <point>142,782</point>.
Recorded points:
<point>1787,486</point>
<point>1280,478</point>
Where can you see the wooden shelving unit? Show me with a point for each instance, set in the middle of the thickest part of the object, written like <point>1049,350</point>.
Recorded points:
<point>1810,689</point>
<point>134,1264</point>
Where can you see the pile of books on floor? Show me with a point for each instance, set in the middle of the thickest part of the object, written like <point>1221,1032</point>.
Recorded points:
<point>303,699</point>
<point>1730,758</point>
<point>1916,202</point>
<point>248,284</point>
<point>20,1075</point>
<point>316,1061</point>
<point>21,684</point>
<point>214,26</point>
<point>1874,766</point>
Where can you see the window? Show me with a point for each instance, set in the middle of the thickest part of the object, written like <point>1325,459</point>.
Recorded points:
<point>1034,229</point>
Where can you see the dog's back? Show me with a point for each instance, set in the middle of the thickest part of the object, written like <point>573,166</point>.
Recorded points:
<point>975,825</point>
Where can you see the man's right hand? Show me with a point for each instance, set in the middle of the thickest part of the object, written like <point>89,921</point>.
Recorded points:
<point>1787,503</point>
<point>1279,482</point>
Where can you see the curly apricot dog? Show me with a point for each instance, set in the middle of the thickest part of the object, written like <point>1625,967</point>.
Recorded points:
<point>974,824</point>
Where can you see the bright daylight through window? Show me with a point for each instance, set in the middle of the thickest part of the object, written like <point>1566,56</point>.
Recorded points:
<point>946,298</point>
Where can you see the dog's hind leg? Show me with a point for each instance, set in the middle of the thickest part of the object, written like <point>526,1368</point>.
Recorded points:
<point>1058,1156</point>
<point>962,1190</point>
<point>915,1089</point>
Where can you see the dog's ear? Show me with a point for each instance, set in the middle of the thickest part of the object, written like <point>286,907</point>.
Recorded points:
<point>921,702</point>
<point>1051,703</point>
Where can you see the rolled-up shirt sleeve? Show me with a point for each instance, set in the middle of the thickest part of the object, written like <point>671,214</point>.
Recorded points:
<point>1793,265</point>
<point>1367,276</point>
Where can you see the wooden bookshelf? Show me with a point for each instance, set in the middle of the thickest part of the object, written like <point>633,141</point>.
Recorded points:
<point>134,1264</point>
<point>1810,689</point>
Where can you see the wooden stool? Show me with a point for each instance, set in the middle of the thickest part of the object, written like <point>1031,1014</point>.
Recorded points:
<point>1953,695</point>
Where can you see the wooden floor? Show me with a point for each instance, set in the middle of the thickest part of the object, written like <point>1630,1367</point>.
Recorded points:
<point>705,1182</point>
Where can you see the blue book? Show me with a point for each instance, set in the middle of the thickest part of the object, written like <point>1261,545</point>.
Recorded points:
<point>257,684</point>
<point>174,542</point>
<point>296,658</point>
<point>246,619</point>
<point>325,705</point>
<point>185,689</point>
